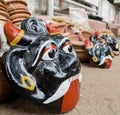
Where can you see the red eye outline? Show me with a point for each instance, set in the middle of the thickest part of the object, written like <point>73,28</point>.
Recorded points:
<point>65,47</point>
<point>45,52</point>
<point>67,43</point>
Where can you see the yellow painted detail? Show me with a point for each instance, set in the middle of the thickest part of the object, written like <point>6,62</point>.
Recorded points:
<point>95,59</point>
<point>17,39</point>
<point>31,85</point>
<point>54,33</point>
<point>112,54</point>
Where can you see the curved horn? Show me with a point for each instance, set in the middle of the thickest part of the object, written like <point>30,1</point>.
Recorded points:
<point>13,34</point>
<point>16,36</point>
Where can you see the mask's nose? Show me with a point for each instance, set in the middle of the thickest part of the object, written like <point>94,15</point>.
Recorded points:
<point>68,62</point>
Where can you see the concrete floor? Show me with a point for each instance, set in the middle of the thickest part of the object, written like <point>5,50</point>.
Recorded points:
<point>100,95</point>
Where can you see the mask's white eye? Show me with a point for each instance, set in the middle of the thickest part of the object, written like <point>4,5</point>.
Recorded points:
<point>49,53</point>
<point>68,48</point>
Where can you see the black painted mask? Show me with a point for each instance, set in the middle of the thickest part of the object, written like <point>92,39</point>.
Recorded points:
<point>99,52</point>
<point>44,68</point>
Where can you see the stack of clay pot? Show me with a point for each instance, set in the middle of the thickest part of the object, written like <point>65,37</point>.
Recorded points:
<point>77,40</point>
<point>4,16</point>
<point>18,11</point>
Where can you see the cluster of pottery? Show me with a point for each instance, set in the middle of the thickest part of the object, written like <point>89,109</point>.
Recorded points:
<point>4,16</point>
<point>18,11</point>
<point>77,41</point>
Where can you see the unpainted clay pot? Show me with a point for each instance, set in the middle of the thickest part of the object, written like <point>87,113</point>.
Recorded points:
<point>86,34</point>
<point>82,56</point>
<point>3,5</point>
<point>21,15</point>
<point>13,5</point>
<point>19,11</point>
<point>80,50</point>
<point>16,4</point>
<point>3,9</point>
<point>4,15</point>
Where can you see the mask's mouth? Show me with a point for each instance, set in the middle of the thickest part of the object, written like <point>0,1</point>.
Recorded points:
<point>104,60</point>
<point>63,88</point>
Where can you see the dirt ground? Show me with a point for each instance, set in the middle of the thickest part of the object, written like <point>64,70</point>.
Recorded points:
<point>100,95</point>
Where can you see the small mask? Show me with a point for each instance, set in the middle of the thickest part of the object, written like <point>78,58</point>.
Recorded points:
<point>99,52</point>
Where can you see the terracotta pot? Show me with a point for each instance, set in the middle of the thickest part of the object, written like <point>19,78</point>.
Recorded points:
<point>5,89</point>
<point>83,56</point>
<point>3,9</point>
<point>19,15</point>
<point>3,5</point>
<point>8,1</point>
<point>20,19</point>
<point>16,4</point>
<point>19,11</point>
<point>78,45</point>
<point>16,1</point>
<point>4,15</point>
<point>75,38</point>
<point>17,8</point>
<point>2,1</point>
<point>80,50</point>
<point>86,34</point>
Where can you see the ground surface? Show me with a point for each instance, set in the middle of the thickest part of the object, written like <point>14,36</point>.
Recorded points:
<point>100,95</point>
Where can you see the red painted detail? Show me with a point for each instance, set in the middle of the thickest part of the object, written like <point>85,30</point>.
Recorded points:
<point>87,44</point>
<point>71,97</point>
<point>52,30</point>
<point>108,63</point>
<point>11,31</point>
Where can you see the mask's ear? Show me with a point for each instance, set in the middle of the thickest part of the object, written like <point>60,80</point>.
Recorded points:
<point>16,73</point>
<point>13,63</point>
<point>19,78</point>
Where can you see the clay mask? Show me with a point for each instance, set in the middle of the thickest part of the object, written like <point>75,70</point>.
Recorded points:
<point>44,68</point>
<point>99,52</point>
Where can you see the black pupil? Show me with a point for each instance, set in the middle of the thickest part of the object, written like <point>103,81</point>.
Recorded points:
<point>70,48</point>
<point>51,53</point>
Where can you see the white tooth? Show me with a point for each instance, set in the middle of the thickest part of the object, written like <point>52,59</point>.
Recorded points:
<point>104,58</point>
<point>80,77</point>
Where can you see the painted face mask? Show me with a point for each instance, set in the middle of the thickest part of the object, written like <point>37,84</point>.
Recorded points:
<point>99,52</point>
<point>112,42</point>
<point>43,68</point>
